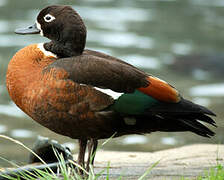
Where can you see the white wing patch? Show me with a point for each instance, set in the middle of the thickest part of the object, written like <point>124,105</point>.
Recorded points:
<point>43,50</point>
<point>109,92</point>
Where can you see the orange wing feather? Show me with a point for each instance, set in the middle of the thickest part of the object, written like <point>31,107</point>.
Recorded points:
<point>161,90</point>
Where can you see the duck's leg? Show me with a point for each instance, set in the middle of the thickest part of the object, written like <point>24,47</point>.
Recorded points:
<point>81,155</point>
<point>92,147</point>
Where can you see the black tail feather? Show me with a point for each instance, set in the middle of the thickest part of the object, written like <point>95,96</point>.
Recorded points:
<point>207,119</point>
<point>197,127</point>
<point>204,109</point>
<point>183,116</point>
<point>182,107</point>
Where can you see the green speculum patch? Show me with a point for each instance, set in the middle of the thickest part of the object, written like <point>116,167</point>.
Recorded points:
<point>133,103</point>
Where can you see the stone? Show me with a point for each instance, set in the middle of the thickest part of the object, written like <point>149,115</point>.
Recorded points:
<point>187,161</point>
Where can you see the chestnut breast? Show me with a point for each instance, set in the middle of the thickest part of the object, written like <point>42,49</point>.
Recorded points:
<point>52,99</point>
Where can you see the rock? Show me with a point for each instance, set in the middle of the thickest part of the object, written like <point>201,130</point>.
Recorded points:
<point>43,147</point>
<point>187,161</point>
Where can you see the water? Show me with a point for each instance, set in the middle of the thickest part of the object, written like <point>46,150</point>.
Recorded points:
<point>178,41</point>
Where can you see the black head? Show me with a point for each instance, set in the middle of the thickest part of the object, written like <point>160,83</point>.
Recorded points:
<point>60,22</point>
<point>63,26</point>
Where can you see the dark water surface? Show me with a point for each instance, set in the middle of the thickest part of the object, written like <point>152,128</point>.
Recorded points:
<point>179,41</point>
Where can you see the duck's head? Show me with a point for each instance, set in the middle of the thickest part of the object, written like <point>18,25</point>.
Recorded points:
<point>63,26</point>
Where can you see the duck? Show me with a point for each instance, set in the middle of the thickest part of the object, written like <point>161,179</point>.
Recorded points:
<point>89,95</point>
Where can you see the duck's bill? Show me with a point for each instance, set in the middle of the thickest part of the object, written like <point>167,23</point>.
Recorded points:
<point>28,30</point>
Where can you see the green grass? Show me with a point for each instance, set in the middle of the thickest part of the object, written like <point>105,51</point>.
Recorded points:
<point>70,173</point>
<point>215,173</point>
<point>66,172</point>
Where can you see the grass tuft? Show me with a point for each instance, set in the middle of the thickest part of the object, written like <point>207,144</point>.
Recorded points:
<point>215,173</point>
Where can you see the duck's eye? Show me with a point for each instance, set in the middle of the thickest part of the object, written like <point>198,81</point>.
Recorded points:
<point>49,18</point>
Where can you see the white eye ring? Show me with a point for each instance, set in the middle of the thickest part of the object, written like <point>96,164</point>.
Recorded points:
<point>49,18</point>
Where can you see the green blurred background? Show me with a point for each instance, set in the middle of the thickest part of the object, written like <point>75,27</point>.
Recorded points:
<point>178,41</point>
